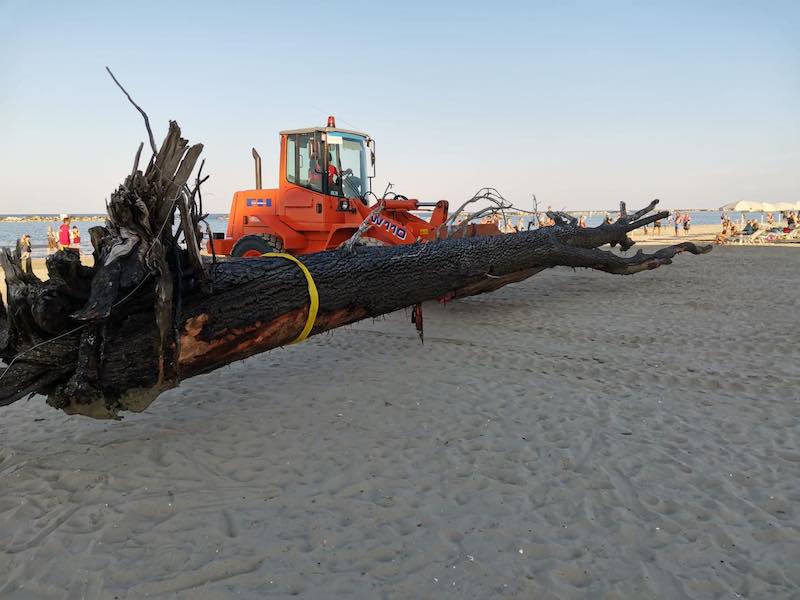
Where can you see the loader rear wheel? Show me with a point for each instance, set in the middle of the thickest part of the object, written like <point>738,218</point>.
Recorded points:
<point>250,246</point>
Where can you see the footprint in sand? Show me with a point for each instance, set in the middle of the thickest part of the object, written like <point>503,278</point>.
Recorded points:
<point>228,525</point>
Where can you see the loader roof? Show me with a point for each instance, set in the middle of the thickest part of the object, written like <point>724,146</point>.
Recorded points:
<point>325,130</point>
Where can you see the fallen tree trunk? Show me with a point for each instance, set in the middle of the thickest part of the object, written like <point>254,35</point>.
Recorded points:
<point>109,338</point>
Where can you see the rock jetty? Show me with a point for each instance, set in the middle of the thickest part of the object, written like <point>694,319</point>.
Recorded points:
<point>45,218</point>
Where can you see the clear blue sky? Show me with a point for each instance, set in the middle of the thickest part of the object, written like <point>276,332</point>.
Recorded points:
<point>582,103</point>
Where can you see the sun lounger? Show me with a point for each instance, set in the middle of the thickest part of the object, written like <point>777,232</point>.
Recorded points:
<point>792,236</point>
<point>757,237</point>
<point>743,238</point>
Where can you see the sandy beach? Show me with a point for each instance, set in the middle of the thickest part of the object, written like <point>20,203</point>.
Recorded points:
<point>575,435</point>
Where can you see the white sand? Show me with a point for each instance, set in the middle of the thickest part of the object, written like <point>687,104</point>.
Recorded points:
<point>577,435</point>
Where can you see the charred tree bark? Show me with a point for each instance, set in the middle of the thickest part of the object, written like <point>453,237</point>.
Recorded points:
<point>100,340</point>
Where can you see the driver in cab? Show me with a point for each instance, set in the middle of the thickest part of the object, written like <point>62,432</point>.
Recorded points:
<point>333,172</point>
<point>334,178</point>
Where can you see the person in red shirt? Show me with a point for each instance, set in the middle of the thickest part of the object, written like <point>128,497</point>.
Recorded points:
<point>64,238</point>
<point>333,172</point>
<point>315,174</point>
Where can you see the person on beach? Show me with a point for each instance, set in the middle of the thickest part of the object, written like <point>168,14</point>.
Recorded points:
<point>687,220</point>
<point>64,237</point>
<point>657,227</point>
<point>24,253</point>
<point>546,221</point>
<point>52,240</point>
<point>724,237</point>
<point>75,239</point>
<point>677,222</point>
<point>582,222</point>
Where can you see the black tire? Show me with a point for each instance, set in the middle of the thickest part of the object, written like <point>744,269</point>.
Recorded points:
<point>255,245</point>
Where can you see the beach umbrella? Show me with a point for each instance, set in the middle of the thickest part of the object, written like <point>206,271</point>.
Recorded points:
<point>747,206</point>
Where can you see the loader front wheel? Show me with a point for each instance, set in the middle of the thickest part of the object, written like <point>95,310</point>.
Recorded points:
<point>250,246</point>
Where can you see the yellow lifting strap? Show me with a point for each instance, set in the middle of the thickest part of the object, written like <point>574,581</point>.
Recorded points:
<point>312,292</point>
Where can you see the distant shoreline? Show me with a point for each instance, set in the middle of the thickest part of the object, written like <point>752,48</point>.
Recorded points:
<point>46,218</point>
<point>43,218</point>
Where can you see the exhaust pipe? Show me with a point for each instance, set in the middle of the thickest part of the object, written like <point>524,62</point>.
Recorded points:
<point>257,158</point>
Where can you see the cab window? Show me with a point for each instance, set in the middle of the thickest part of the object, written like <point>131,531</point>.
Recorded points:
<point>334,169</point>
<point>303,164</point>
<point>347,173</point>
<point>353,166</point>
<point>291,166</point>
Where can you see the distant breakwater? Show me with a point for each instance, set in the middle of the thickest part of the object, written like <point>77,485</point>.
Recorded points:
<point>48,218</point>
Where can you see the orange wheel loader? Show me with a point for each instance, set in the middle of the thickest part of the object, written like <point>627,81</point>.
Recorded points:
<point>324,182</point>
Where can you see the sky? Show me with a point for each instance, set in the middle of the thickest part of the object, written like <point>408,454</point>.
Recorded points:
<point>583,104</point>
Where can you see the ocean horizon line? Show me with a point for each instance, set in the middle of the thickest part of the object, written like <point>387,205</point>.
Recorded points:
<point>103,215</point>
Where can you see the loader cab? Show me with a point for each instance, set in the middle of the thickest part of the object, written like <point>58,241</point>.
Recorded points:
<point>330,161</point>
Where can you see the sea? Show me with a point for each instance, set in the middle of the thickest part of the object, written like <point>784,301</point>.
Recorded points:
<point>11,231</point>
<point>595,217</point>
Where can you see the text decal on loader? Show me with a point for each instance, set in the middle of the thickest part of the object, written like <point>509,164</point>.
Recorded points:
<point>392,228</point>
<point>259,202</point>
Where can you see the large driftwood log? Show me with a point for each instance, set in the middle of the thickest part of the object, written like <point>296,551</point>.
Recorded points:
<point>109,338</point>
